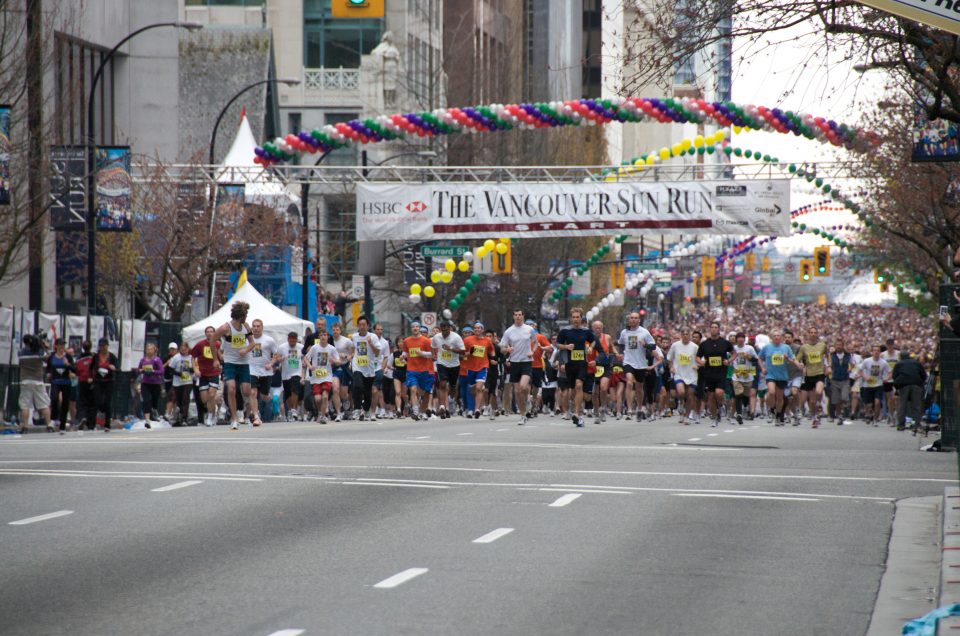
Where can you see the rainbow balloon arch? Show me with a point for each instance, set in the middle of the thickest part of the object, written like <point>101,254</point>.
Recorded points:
<point>591,112</point>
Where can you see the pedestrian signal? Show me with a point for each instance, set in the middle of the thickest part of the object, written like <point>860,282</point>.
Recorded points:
<point>750,262</point>
<point>501,262</point>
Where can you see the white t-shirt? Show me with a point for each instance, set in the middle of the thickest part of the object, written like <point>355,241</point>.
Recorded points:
<point>743,369</point>
<point>291,359</point>
<point>264,348</point>
<point>683,357</point>
<point>521,340</point>
<point>320,360</point>
<point>634,352</point>
<point>854,368</point>
<point>366,353</point>
<point>874,372</point>
<point>182,366</point>
<point>344,348</point>
<point>891,358</point>
<point>443,357</point>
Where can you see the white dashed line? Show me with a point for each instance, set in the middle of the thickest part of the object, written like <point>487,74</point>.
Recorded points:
<point>380,483</point>
<point>730,430</point>
<point>177,486</point>
<point>51,515</point>
<point>490,537</point>
<point>401,578</point>
<point>712,434</point>
<point>421,437</point>
<point>719,496</point>
<point>566,499</point>
<point>462,434</point>
<point>694,439</point>
<point>289,632</point>
<point>500,430</point>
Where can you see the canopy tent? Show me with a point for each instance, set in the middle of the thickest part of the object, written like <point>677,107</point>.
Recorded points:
<point>276,322</point>
<point>260,186</point>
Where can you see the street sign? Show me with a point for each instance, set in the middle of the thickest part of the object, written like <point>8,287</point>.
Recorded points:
<point>663,284</point>
<point>443,251</point>
<point>356,287</point>
<point>428,319</point>
<point>643,266</point>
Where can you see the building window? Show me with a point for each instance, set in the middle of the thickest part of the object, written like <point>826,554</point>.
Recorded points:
<point>330,42</point>
<point>75,64</point>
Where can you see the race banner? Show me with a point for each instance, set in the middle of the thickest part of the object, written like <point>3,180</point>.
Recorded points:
<point>68,187</point>
<point>4,155</point>
<point>941,14</point>
<point>401,211</point>
<point>114,189</point>
<point>6,334</point>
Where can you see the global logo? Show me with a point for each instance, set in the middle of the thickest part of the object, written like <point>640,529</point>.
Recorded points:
<point>416,206</point>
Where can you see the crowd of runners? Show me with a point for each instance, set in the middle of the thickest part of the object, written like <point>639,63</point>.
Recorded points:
<point>789,364</point>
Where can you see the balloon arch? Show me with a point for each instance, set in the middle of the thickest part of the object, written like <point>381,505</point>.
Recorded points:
<point>595,112</point>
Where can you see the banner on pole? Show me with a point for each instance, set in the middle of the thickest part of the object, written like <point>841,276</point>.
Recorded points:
<point>75,332</point>
<point>68,188</point>
<point>480,210</point>
<point>114,189</point>
<point>6,334</point>
<point>4,155</point>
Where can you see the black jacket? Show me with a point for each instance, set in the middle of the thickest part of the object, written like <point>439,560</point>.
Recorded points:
<point>908,372</point>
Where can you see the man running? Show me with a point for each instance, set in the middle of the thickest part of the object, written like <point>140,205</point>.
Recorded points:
<point>840,362</point>
<point>342,377</point>
<point>682,357</point>
<point>479,350</point>
<point>418,352</point>
<point>263,357</point>
<point>319,363</point>
<point>578,341</point>
<point>537,379</point>
<point>891,356</point>
<point>713,356</point>
<point>447,349</point>
<point>874,371</point>
<point>291,355</point>
<point>366,354</point>
<point>744,357</point>
<point>813,356</point>
<point>518,343</point>
<point>633,342</point>
<point>237,345</point>
<point>603,356</point>
<point>774,360</point>
<point>206,361</point>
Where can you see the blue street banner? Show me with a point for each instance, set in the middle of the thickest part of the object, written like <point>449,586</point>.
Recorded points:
<point>114,189</point>
<point>4,155</point>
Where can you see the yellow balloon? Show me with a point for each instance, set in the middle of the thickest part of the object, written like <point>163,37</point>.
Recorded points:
<point>435,276</point>
<point>450,265</point>
<point>463,266</point>
<point>481,252</point>
<point>710,140</point>
<point>664,153</point>
<point>489,244</point>
<point>639,162</point>
<point>676,150</point>
<point>721,135</point>
<point>737,130</point>
<point>446,277</point>
<point>416,288</point>
<point>502,248</point>
<point>698,141</point>
<point>609,177</point>
<point>429,291</point>
<point>651,160</point>
<point>685,144</point>
<point>505,240</point>
<point>640,167</point>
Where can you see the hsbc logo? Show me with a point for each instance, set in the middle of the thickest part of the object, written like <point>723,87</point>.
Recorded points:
<point>416,206</point>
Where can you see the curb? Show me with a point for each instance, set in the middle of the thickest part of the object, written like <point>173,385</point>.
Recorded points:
<point>950,558</point>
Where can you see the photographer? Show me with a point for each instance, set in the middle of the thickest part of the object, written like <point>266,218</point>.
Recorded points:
<point>33,395</point>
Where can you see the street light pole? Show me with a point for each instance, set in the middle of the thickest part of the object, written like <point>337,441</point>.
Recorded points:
<point>304,200</point>
<point>91,159</point>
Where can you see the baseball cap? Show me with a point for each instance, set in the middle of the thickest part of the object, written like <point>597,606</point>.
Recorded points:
<point>173,345</point>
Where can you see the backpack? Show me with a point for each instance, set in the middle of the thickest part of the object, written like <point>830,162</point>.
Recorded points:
<point>83,368</point>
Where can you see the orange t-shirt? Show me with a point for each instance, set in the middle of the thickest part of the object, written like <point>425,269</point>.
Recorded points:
<point>412,346</point>
<point>544,342</point>
<point>479,350</point>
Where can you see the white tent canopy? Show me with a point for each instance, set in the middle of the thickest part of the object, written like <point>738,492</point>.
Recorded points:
<point>259,186</point>
<point>276,322</point>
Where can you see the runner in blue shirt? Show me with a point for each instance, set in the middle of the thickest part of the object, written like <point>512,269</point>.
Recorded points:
<point>774,360</point>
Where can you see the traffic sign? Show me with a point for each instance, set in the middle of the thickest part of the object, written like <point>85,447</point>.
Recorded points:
<point>663,284</point>
<point>642,266</point>
<point>443,251</point>
<point>356,287</point>
<point>428,319</point>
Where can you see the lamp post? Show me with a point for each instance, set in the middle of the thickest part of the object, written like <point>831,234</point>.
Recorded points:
<point>92,160</point>
<point>305,281</point>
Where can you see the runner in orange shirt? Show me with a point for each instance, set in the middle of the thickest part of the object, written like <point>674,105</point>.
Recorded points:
<point>418,351</point>
<point>479,350</point>
<point>537,380</point>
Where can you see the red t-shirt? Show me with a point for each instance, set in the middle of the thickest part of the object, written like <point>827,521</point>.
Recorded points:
<point>412,346</point>
<point>479,349</point>
<point>544,342</point>
<point>206,356</point>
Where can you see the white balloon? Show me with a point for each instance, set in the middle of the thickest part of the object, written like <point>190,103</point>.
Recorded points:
<point>447,314</point>
<point>467,256</point>
<point>415,298</point>
<point>616,293</point>
<point>604,303</point>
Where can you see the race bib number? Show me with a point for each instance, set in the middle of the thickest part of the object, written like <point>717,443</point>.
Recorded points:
<point>618,369</point>
<point>742,373</point>
<point>320,373</point>
<point>479,352</point>
<point>238,341</point>
<point>363,361</point>
<point>414,352</point>
<point>446,356</point>
<point>776,359</point>
<point>684,359</point>
<point>293,362</point>
<point>576,356</point>
<point>715,361</point>
<point>600,372</point>
<point>399,363</point>
<point>208,352</point>
<point>814,358</point>
<point>148,368</point>
<point>185,376</point>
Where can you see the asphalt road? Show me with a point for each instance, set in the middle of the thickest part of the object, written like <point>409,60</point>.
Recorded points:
<point>456,526</point>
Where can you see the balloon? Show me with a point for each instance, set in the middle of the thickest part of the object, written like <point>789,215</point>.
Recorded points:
<point>450,265</point>
<point>651,160</point>
<point>446,277</point>
<point>489,244</point>
<point>447,314</point>
<point>502,248</point>
<point>429,291</point>
<point>685,144</point>
<point>664,153</point>
<point>435,276</point>
<point>505,240</point>
<point>467,256</point>
<point>481,252</point>
<point>415,289</point>
<point>415,298</point>
<point>454,303</point>
<point>676,149</point>
<point>463,266</point>
<point>698,141</point>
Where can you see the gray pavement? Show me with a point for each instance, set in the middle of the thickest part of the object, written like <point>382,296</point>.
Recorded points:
<point>370,528</point>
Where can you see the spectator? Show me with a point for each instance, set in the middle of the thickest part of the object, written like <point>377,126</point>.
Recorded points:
<point>908,378</point>
<point>32,393</point>
<point>105,372</point>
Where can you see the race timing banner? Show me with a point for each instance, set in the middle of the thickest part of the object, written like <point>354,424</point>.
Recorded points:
<point>400,211</point>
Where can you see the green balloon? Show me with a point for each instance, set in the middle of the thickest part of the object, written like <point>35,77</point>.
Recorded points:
<point>469,285</point>
<point>454,303</point>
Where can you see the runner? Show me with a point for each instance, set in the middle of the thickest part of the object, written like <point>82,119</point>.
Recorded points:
<point>342,377</point>
<point>713,356</point>
<point>378,402</point>
<point>774,361</point>
<point>399,377</point>
<point>840,362</point>
<point>579,342</point>
<point>518,343</point>
<point>603,356</point>
<point>366,349</point>
<point>792,394</point>
<point>447,349</point>
<point>633,342</point>
<point>183,370</point>
<point>682,357</point>
<point>33,395</point>
<point>291,374</point>
<point>891,356</point>
<point>206,364</point>
<point>744,358</point>
<point>874,372</point>
<point>238,343</point>
<point>263,358</point>
<point>479,350</point>
<point>319,367</point>
<point>418,352</point>
<point>813,356</point>
<point>537,379</point>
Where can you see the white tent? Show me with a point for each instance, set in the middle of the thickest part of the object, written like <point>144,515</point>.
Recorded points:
<point>259,185</point>
<point>276,322</point>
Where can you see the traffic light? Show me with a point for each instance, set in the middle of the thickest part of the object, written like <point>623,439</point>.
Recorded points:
<point>502,262</point>
<point>878,277</point>
<point>618,275</point>
<point>750,262</point>
<point>821,261</point>
<point>765,264</point>
<point>708,268</point>
<point>698,287</point>
<point>356,8</point>
<point>806,270</point>
<point>884,286</point>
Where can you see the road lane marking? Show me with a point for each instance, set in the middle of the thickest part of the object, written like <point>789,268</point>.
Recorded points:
<point>177,486</point>
<point>490,537</point>
<point>694,439</point>
<point>395,485</point>
<point>565,500</point>
<point>711,434</point>
<point>421,437</point>
<point>500,430</point>
<point>289,632</point>
<point>122,474</point>
<point>51,515</point>
<point>730,430</point>
<point>401,578</point>
<point>463,434</point>
<point>598,491</point>
<point>724,496</point>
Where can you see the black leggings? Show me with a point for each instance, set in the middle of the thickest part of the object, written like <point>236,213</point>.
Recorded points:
<point>362,391</point>
<point>150,394</point>
<point>60,403</point>
<point>182,395</point>
<point>87,409</point>
<point>103,398</point>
